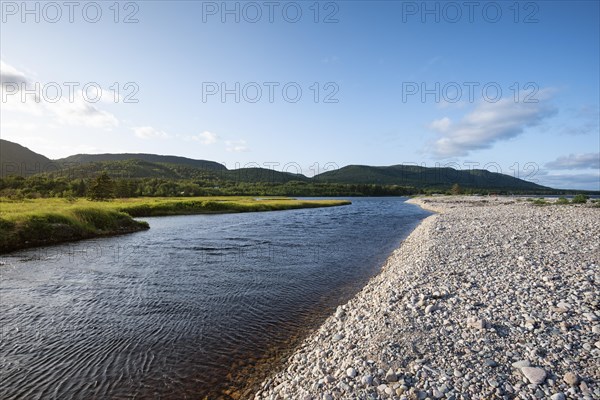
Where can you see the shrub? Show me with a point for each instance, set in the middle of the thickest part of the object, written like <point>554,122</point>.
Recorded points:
<point>580,199</point>
<point>539,202</point>
<point>562,200</point>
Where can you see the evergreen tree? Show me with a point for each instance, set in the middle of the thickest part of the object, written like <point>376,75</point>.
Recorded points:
<point>102,188</point>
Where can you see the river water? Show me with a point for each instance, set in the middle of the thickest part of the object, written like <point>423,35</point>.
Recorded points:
<point>197,306</point>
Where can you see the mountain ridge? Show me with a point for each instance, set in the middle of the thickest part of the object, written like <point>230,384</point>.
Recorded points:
<point>145,165</point>
<point>16,159</point>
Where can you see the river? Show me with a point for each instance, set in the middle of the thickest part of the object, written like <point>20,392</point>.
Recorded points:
<point>197,306</point>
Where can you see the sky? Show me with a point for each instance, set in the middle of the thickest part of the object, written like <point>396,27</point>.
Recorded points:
<point>308,86</point>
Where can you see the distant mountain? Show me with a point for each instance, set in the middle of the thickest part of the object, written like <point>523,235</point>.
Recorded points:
<point>137,168</point>
<point>19,160</point>
<point>255,175</point>
<point>152,158</point>
<point>423,177</point>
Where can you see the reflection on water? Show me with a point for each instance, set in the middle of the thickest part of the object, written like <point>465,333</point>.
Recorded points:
<point>189,308</point>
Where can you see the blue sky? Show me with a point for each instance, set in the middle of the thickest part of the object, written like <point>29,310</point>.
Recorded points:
<point>394,81</point>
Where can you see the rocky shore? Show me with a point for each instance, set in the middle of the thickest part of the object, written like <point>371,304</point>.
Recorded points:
<point>490,298</point>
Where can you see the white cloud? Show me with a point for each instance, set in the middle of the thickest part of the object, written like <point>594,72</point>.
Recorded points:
<point>206,138</point>
<point>80,113</point>
<point>148,132</point>
<point>440,125</point>
<point>9,74</point>
<point>19,125</point>
<point>236,146</point>
<point>487,124</point>
<point>64,111</point>
<point>576,161</point>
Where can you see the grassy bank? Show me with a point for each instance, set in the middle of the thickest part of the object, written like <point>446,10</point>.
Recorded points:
<point>37,222</point>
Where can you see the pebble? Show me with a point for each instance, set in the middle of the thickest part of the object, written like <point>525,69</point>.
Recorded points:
<point>391,376</point>
<point>521,363</point>
<point>535,375</point>
<point>571,379</point>
<point>474,296</point>
<point>490,363</point>
<point>367,380</point>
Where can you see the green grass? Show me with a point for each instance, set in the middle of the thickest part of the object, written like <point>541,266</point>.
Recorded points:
<point>36,222</point>
<point>28,229</point>
<point>539,202</point>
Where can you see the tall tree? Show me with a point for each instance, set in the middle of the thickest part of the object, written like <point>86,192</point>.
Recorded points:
<point>102,188</point>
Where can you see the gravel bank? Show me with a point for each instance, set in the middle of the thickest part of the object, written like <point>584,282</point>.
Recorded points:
<point>491,298</point>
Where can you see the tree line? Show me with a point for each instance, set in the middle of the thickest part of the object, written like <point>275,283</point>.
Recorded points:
<point>104,187</point>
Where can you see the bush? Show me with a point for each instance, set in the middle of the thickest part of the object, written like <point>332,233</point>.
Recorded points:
<point>580,199</point>
<point>562,200</point>
<point>539,202</point>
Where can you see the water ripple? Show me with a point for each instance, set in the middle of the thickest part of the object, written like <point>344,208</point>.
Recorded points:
<point>187,309</point>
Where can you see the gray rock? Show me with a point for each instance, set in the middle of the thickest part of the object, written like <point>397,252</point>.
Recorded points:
<point>475,323</point>
<point>351,373</point>
<point>571,379</point>
<point>391,376</point>
<point>535,375</point>
<point>521,363</point>
<point>367,380</point>
<point>490,363</point>
<point>558,396</point>
<point>590,317</point>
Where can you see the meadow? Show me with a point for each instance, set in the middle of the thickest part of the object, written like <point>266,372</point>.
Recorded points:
<point>35,222</point>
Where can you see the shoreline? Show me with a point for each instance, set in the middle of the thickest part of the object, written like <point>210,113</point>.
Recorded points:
<point>490,297</point>
<point>66,222</point>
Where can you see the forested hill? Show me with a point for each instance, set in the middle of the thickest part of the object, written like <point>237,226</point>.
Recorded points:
<point>408,175</point>
<point>19,160</point>
<point>149,174</point>
<point>150,158</point>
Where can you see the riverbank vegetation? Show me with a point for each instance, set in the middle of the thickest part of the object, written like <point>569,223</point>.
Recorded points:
<point>34,222</point>
<point>40,186</point>
<point>577,199</point>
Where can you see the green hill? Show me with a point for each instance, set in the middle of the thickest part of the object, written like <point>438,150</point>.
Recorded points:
<point>423,177</point>
<point>172,175</point>
<point>254,175</point>
<point>135,168</point>
<point>19,160</point>
<point>151,158</point>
